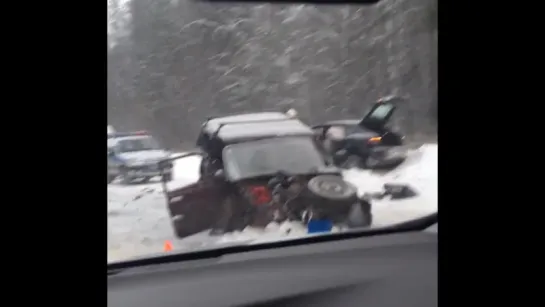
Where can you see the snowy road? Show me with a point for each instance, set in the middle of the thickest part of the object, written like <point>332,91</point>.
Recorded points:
<point>138,221</point>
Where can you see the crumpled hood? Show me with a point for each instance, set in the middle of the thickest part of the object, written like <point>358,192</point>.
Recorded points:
<point>145,155</point>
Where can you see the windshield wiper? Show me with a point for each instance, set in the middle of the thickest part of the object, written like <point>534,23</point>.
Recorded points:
<point>418,224</point>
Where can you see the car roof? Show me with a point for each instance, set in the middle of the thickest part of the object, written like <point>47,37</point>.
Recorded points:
<point>264,129</point>
<point>114,140</point>
<point>343,122</point>
<point>214,123</point>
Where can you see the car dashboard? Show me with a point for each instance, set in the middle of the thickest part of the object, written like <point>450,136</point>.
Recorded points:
<point>378,271</point>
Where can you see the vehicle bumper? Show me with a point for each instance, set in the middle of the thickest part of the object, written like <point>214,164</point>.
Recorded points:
<point>389,156</point>
<point>146,171</point>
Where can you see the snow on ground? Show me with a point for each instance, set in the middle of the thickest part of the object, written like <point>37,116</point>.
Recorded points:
<point>138,221</point>
<point>419,171</point>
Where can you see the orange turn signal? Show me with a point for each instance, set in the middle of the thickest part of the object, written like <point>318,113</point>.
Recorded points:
<point>375,139</point>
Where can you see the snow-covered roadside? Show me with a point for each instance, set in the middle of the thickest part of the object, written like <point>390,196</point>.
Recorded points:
<point>140,226</point>
<point>419,171</point>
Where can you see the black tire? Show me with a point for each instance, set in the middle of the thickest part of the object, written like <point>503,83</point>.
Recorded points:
<point>332,188</point>
<point>360,215</point>
<point>352,161</point>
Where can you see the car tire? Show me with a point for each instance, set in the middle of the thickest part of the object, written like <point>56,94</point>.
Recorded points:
<point>332,188</point>
<point>352,161</point>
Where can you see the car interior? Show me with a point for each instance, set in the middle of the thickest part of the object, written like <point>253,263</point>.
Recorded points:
<point>388,267</point>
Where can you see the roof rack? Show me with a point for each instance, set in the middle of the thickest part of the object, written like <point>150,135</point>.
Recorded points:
<point>211,117</point>
<point>251,122</point>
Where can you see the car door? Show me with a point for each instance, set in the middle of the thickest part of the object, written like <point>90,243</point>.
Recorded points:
<point>195,207</point>
<point>379,115</point>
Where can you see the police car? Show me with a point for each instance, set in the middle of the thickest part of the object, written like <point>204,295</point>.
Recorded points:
<point>135,156</point>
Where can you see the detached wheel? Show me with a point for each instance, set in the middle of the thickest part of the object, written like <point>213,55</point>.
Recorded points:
<point>333,189</point>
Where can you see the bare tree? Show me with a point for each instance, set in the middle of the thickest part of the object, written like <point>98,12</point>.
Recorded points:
<point>182,61</point>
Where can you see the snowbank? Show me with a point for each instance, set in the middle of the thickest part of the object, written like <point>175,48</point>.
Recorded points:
<point>140,226</point>
<point>419,171</point>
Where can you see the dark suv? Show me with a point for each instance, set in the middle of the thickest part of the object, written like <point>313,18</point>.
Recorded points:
<point>262,167</point>
<point>366,142</point>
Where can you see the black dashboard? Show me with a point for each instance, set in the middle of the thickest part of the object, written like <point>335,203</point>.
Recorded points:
<point>387,270</point>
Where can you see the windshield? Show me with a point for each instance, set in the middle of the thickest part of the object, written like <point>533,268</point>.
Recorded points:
<point>137,144</point>
<point>296,155</point>
<point>173,66</point>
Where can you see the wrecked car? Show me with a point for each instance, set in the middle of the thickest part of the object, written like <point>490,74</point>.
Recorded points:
<point>365,143</point>
<point>134,155</point>
<point>258,168</point>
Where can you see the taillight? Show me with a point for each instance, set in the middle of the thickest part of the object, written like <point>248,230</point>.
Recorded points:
<point>260,195</point>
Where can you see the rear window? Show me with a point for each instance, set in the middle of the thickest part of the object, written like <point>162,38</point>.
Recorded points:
<point>381,111</point>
